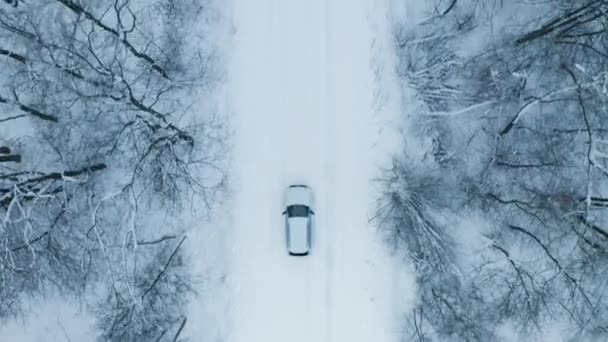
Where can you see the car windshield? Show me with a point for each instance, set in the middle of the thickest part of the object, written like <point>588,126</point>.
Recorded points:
<point>297,211</point>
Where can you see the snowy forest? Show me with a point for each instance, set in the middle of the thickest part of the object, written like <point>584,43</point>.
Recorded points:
<point>105,141</point>
<point>114,147</point>
<point>504,213</point>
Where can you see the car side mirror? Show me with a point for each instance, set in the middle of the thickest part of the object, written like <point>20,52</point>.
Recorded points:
<point>284,212</point>
<point>312,212</point>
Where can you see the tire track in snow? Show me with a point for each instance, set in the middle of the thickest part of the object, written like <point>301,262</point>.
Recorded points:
<point>302,99</point>
<point>302,106</point>
<point>330,174</point>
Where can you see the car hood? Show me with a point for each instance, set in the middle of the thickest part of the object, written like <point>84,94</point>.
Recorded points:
<point>298,196</point>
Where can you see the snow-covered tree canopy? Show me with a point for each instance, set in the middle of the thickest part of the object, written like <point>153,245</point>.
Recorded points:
<point>505,216</point>
<point>103,141</point>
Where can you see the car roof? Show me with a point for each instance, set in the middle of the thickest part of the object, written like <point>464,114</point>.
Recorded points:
<point>298,243</point>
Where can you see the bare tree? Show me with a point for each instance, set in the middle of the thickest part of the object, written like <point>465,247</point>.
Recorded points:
<point>519,136</point>
<point>114,92</point>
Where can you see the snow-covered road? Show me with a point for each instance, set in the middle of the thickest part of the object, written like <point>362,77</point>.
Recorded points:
<point>302,87</point>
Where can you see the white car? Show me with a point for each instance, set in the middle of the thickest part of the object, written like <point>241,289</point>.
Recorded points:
<point>298,219</point>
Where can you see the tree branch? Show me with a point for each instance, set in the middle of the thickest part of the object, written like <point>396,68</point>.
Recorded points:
<point>60,175</point>
<point>165,267</point>
<point>76,8</point>
<point>159,240</point>
<point>554,260</point>
<point>30,110</point>
<point>13,158</point>
<point>13,55</point>
<point>179,331</point>
<point>561,21</point>
<point>6,199</point>
<point>594,227</point>
<point>589,134</point>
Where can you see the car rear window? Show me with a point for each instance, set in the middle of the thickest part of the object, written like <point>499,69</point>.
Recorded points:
<point>297,211</point>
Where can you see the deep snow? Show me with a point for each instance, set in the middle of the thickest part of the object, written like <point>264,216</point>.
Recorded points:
<point>302,83</point>
<point>305,77</point>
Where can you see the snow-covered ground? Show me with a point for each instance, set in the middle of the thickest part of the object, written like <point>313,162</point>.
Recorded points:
<point>302,83</point>
<point>49,318</point>
<point>305,86</point>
